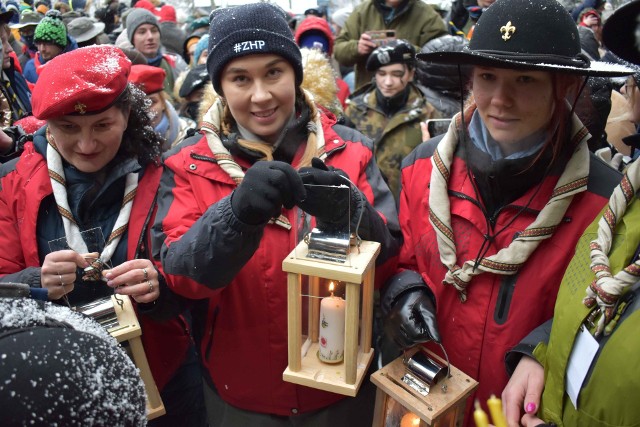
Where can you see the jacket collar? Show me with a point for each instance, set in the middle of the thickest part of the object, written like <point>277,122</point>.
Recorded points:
<point>293,136</point>
<point>389,14</point>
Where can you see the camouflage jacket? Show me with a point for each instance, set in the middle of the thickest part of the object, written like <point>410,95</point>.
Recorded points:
<point>394,137</point>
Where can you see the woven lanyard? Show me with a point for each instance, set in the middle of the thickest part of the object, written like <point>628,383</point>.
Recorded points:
<point>606,288</point>
<point>211,125</point>
<point>71,229</point>
<point>508,260</point>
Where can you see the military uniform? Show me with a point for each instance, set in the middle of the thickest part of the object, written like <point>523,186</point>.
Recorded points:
<point>394,136</point>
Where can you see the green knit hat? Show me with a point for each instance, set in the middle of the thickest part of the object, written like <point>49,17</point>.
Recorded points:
<point>51,29</point>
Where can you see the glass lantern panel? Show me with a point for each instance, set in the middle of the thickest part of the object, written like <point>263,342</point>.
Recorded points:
<point>88,241</point>
<point>314,327</point>
<point>90,244</point>
<point>396,415</point>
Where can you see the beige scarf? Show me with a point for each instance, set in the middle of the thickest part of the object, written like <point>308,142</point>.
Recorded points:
<point>71,229</point>
<point>508,260</point>
<point>607,288</point>
<point>212,123</point>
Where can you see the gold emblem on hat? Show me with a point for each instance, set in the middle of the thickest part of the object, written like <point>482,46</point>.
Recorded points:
<point>80,108</point>
<point>507,31</point>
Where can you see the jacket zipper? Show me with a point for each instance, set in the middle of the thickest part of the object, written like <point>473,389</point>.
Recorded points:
<point>203,158</point>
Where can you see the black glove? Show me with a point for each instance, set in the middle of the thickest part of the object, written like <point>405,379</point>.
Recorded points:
<point>19,138</point>
<point>412,320</point>
<point>266,187</point>
<point>327,204</point>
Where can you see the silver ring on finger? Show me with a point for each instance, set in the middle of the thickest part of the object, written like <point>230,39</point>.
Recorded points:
<point>150,286</point>
<point>61,282</point>
<point>146,275</point>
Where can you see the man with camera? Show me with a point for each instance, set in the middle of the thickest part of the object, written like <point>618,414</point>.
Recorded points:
<point>412,20</point>
<point>390,108</point>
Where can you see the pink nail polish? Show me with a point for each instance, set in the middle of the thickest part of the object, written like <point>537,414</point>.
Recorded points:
<point>531,408</point>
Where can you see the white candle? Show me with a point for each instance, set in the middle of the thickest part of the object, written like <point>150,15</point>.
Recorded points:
<point>332,318</point>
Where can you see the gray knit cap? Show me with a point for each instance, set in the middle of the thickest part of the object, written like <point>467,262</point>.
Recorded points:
<point>257,28</point>
<point>137,17</point>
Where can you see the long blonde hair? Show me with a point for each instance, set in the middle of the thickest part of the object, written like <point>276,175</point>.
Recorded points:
<point>310,151</point>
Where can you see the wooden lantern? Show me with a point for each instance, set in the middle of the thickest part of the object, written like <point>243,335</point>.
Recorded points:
<point>399,405</point>
<point>128,330</point>
<point>305,367</point>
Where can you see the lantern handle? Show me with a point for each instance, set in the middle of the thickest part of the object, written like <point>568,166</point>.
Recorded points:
<point>360,207</point>
<point>446,356</point>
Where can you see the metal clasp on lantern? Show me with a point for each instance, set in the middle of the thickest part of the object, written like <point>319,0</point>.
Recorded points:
<point>102,311</point>
<point>328,246</point>
<point>332,242</point>
<point>422,373</point>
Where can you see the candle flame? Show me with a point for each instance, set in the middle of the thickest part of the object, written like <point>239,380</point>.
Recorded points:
<point>409,420</point>
<point>331,286</point>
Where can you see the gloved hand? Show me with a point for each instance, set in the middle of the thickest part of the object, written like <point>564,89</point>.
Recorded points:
<point>266,187</point>
<point>412,320</point>
<point>328,205</point>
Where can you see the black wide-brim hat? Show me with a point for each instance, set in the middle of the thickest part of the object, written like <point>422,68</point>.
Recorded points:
<point>526,34</point>
<point>619,32</point>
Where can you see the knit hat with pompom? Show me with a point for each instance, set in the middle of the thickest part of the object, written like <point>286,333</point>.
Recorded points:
<point>51,30</point>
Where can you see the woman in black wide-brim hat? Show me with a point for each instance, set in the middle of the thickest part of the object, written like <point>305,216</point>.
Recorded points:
<point>596,310</point>
<point>491,212</point>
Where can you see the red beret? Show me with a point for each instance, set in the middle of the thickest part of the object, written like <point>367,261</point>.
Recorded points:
<point>30,124</point>
<point>167,13</point>
<point>148,78</point>
<point>83,81</point>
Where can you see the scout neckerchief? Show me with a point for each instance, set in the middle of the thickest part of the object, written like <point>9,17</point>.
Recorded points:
<point>71,229</point>
<point>508,260</point>
<point>211,125</point>
<point>606,288</point>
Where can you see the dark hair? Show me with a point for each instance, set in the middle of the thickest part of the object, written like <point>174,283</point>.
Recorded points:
<point>566,88</point>
<point>139,139</point>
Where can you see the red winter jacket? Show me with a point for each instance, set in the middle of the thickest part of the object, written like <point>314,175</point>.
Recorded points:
<point>24,184</point>
<point>207,253</point>
<point>500,310</point>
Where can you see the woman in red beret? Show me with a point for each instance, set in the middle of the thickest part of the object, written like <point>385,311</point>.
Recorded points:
<point>93,171</point>
<point>164,118</point>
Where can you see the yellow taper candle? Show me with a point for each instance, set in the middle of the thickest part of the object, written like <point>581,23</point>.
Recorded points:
<point>479,416</point>
<point>495,409</point>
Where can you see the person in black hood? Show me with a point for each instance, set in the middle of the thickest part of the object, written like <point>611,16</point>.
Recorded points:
<point>61,368</point>
<point>443,85</point>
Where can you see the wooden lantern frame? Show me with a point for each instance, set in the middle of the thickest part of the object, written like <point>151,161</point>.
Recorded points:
<point>437,409</point>
<point>358,273</point>
<point>128,330</point>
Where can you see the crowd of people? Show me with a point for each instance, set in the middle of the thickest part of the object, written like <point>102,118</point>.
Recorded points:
<point>173,159</point>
